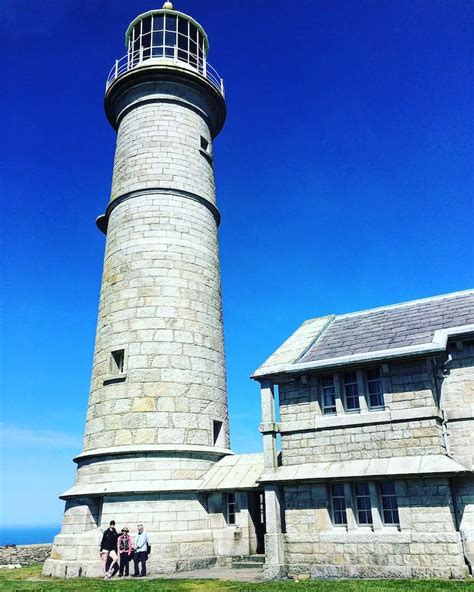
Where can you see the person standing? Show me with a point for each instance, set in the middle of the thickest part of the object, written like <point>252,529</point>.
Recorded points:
<point>108,550</point>
<point>141,552</point>
<point>124,550</point>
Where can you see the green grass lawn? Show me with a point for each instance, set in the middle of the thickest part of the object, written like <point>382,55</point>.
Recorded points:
<point>30,579</point>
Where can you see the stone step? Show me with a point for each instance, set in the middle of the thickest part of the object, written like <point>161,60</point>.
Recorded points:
<point>247,565</point>
<point>257,558</point>
<point>260,558</point>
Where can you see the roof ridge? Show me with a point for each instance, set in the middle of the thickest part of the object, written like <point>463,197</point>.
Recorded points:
<point>406,303</point>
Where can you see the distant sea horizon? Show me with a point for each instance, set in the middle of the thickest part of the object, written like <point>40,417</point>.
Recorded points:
<point>28,535</point>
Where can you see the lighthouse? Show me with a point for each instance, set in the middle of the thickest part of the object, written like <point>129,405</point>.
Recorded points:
<point>157,418</point>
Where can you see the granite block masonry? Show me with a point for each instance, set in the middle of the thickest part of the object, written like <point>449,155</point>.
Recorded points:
<point>157,417</point>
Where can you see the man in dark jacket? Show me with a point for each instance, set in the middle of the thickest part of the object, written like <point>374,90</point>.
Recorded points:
<point>108,550</point>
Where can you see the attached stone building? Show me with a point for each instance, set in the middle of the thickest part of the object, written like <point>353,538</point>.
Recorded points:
<point>374,476</point>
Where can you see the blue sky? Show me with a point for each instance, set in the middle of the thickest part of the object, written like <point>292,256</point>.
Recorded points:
<point>344,178</point>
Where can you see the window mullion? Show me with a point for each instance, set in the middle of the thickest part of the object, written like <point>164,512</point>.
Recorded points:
<point>350,507</point>
<point>362,391</point>
<point>317,392</point>
<point>377,523</point>
<point>338,389</point>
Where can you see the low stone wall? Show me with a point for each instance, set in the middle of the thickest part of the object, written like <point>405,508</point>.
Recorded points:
<point>24,554</point>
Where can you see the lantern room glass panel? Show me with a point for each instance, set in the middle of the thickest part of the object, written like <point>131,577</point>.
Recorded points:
<point>172,36</point>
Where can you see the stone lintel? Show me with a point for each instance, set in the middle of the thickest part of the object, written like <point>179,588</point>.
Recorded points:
<point>360,419</point>
<point>465,413</point>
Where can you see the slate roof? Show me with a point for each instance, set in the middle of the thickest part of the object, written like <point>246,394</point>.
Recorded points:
<point>238,471</point>
<point>409,328</point>
<point>375,467</point>
<point>387,328</point>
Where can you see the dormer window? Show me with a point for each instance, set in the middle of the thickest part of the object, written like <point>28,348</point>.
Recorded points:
<point>375,398</point>
<point>328,395</point>
<point>351,393</point>
<point>353,388</point>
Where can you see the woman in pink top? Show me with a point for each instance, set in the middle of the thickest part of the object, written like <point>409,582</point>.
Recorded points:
<point>124,551</point>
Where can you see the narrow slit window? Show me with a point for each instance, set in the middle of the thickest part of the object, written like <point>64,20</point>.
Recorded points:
<point>374,389</point>
<point>117,361</point>
<point>363,504</point>
<point>388,496</point>
<point>205,145</point>
<point>338,499</point>
<point>230,508</point>
<point>351,392</point>
<point>216,432</point>
<point>328,395</point>
<point>261,505</point>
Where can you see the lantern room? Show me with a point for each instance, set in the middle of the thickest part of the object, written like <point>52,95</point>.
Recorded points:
<point>164,36</point>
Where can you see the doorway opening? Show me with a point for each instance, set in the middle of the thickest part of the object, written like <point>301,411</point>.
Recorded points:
<point>257,514</point>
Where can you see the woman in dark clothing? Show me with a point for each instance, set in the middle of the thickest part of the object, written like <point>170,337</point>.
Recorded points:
<point>108,548</point>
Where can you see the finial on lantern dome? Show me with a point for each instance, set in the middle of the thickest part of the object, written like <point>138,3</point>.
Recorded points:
<point>168,6</point>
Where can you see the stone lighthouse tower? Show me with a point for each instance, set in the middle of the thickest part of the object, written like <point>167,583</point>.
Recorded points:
<point>157,417</point>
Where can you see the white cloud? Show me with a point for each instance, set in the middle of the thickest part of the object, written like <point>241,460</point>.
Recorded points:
<point>12,435</point>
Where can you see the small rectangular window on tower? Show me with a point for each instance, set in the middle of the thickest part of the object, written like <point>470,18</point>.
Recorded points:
<point>117,361</point>
<point>217,433</point>
<point>205,145</point>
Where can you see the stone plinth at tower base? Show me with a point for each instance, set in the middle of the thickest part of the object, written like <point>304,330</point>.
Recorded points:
<point>78,555</point>
<point>178,525</point>
<point>178,500</point>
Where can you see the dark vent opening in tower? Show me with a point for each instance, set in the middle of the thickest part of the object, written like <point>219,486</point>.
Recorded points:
<point>217,432</point>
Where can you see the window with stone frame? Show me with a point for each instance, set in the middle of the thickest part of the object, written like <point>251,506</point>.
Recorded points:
<point>338,503</point>
<point>363,504</point>
<point>389,503</point>
<point>362,383</point>
<point>328,395</point>
<point>229,501</point>
<point>351,392</point>
<point>375,397</point>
